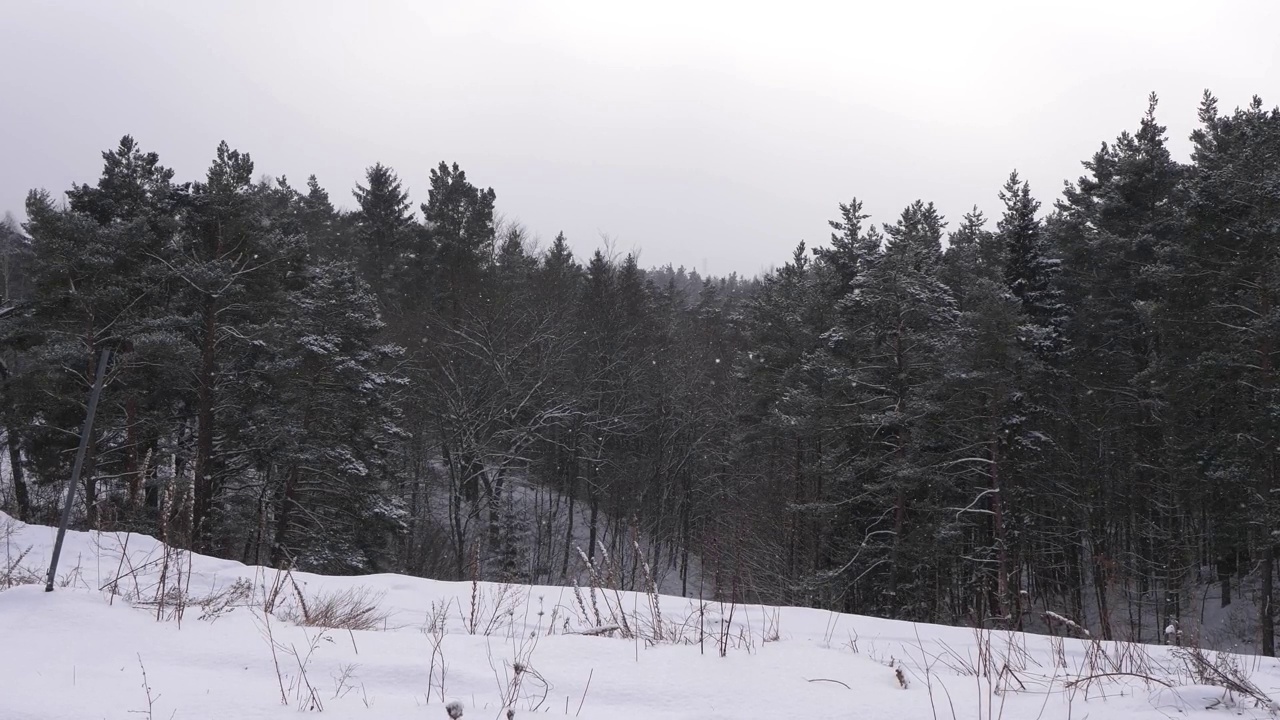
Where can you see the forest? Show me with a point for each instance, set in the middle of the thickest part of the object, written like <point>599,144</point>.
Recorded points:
<point>1060,411</point>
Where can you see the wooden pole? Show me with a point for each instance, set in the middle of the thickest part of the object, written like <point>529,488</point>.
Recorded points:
<point>85,433</point>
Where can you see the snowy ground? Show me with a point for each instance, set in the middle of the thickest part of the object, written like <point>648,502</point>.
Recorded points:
<point>215,652</point>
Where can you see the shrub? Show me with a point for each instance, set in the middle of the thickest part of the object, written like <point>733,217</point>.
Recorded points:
<point>351,609</point>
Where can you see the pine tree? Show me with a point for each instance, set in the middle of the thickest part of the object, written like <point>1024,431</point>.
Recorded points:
<point>982,426</point>
<point>15,254</point>
<point>15,280</point>
<point>972,254</point>
<point>1034,468</point>
<point>459,220</point>
<point>1111,229</point>
<point>101,271</point>
<point>852,251</point>
<point>236,259</point>
<point>896,330</point>
<point>788,423</point>
<point>1224,320</point>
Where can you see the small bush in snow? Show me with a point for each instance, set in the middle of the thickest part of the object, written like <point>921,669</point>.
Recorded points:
<point>350,609</point>
<point>13,572</point>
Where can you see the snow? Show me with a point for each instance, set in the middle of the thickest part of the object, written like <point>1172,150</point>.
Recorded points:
<point>80,652</point>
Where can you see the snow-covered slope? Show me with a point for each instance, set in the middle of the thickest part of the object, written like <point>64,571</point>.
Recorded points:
<point>138,632</point>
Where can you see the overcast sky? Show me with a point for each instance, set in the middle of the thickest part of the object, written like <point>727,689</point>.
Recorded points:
<point>712,134</point>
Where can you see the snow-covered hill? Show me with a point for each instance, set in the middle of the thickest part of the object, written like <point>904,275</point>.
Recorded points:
<point>135,631</point>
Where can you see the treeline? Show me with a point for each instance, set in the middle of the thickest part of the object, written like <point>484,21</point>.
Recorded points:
<point>1069,409</point>
<point>355,391</point>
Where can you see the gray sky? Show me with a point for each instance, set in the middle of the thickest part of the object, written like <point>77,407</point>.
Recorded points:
<point>716,133</point>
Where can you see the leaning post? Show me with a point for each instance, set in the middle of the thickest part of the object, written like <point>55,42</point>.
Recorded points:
<point>85,433</point>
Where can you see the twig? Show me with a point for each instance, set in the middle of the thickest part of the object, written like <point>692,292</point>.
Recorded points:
<point>597,630</point>
<point>584,692</point>
<point>1077,681</point>
<point>828,680</point>
<point>151,701</point>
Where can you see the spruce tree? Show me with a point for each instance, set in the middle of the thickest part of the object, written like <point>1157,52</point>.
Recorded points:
<point>385,236</point>
<point>1029,272</point>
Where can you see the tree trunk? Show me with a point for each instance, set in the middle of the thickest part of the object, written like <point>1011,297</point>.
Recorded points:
<point>20,493</point>
<point>797,498</point>
<point>90,481</point>
<point>417,501</point>
<point>1101,581</point>
<point>997,522</point>
<point>819,495</point>
<point>572,476</point>
<point>1266,619</point>
<point>284,515</point>
<point>254,556</point>
<point>498,548</point>
<point>133,466</point>
<point>902,441</point>
<point>455,508</point>
<point>895,552</point>
<point>593,500</point>
<point>204,485</point>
